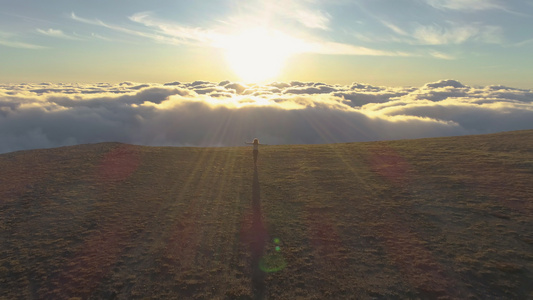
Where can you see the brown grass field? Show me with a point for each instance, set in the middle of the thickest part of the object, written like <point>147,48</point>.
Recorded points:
<point>444,218</point>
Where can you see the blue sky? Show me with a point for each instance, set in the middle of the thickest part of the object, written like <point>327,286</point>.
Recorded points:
<point>383,42</point>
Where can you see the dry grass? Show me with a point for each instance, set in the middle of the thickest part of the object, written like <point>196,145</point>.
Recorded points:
<point>429,219</point>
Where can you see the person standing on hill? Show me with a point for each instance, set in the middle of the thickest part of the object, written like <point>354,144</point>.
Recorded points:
<point>256,144</point>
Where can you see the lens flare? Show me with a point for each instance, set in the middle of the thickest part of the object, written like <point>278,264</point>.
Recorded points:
<point>273,262</point>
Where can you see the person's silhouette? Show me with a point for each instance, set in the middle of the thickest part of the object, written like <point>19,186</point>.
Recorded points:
<point>255,144</point>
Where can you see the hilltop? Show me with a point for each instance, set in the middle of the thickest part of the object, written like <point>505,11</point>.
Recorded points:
<point>429,218</point>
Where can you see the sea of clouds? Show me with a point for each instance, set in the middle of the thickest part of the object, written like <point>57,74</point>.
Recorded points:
<point>227,113</point>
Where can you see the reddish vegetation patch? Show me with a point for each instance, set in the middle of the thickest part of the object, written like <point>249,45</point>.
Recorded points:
<point>180,248</point>
<point>388,164</point>
<point>86,268</point>
<point>407,251</point>
<point>21,174</point>
<point>323,235</point>
<point>119,163</point>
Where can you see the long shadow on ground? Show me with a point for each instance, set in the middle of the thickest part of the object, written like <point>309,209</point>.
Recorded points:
<point>257,241</point>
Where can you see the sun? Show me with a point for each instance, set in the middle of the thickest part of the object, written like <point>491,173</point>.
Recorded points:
<point>258,54</point>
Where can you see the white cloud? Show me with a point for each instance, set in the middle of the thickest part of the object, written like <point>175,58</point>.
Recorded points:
<point>10,40</point>
<point>148,35</point>
<point>347,49</point>
<point>469,5</point>
<point>441,55</point>
<point>169,32</point>
<point>312,19</point>
<point>184,33</point>
<point>394,28</point>
<point>22,45</point>
<point>456,34</point>
<point>100,37</point>
<point>297,12</point>
<point>447,33</point>
<point>227,113</point>
<point>56,33</point>
<point>436,35</point>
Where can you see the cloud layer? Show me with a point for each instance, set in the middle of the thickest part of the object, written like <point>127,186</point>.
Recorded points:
<point>227,113</point>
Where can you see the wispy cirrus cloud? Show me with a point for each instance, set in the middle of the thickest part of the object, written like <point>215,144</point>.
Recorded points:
<point>468,5</point>
<point>306,13</point>
<point>447,33</point>
<point>10,40</point>
<point>203,113</point>
<point>347,49</point>
<point>21,45</point>
<point>441,55</point>
<point>173,33</point>
<point>56,33</point>
<point>312,18</point>
<point>184,34</point>
<point>149,35</point>
<point>456,34</point>
<point>394,28</point>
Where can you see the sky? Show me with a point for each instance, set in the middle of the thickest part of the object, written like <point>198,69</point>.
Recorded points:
<point>219,73</point>
<point>379,42</point>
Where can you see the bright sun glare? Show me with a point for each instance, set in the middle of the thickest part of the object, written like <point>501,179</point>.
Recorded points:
<point>258,54</point>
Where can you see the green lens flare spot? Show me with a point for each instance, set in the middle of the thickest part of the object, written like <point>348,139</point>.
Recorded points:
<point>276,241</point>
<point>272,263</point>
<point>278,248</point>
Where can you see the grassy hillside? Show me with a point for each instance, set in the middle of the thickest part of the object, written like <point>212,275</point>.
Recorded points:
<point>430,218</point>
